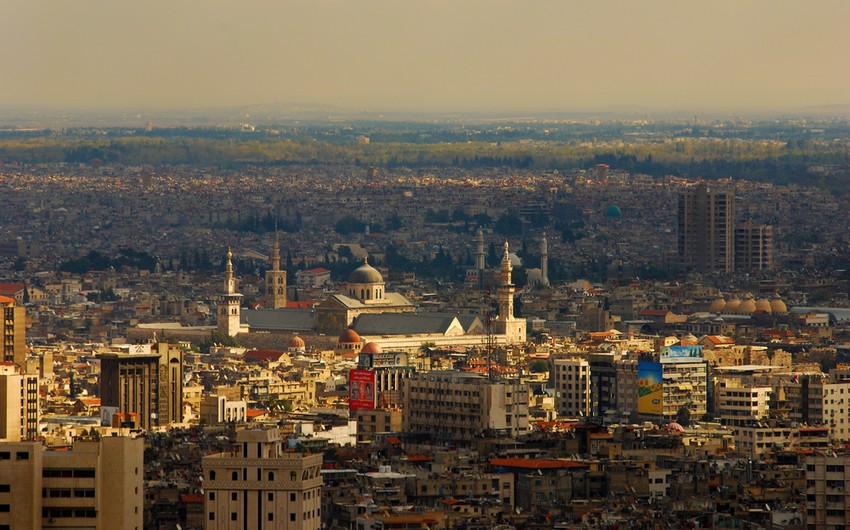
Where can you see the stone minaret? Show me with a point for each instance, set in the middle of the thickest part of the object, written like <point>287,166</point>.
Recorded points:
<point>479,251</point>
<point>507,324</point>
<point>230,302</point>
<point>275,280</point>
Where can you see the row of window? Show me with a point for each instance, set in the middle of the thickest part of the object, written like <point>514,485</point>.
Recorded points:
<point>68,473</point>
<point>234,516</point>
<point>67,493</point>
<point>19,455</point>
<point>293,476</point>
<point>52,513</point>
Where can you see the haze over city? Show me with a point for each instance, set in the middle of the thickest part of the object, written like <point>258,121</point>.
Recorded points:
<point>420,265</point>
<point>428,56</point>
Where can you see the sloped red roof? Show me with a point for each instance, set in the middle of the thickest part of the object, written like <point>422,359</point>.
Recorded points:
<point>535,463</point>
<point>11,288</point>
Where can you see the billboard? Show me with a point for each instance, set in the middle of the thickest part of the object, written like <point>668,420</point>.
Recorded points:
<point>674,353</point>
<point>650,388</point>
<point>361,389</point>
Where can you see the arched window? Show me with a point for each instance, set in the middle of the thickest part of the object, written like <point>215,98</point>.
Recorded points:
<point>280,290</point>
<point>293,476</point>
<point>362,294</point>
<point>271,475</point>
<point>234,475</point>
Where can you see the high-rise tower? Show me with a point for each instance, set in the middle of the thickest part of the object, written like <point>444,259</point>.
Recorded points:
<point>507,324</point>
<point>229,302</point>
<point>275,280</point>
<point>706,230</point>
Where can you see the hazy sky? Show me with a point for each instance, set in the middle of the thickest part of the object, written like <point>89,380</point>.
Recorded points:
<point>436,55</point>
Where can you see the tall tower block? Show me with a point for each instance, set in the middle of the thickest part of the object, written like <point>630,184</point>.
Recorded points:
<point>706,230</point>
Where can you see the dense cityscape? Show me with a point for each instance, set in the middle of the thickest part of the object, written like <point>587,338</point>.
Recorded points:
<point>424,265</point>
<point>410,346</point>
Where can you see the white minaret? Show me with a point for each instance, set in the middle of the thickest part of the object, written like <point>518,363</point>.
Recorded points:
<point>507,324</point>
<point>230,302</point>
<point>479,250</point>
<point>544,261</point>
<point>275,280</point>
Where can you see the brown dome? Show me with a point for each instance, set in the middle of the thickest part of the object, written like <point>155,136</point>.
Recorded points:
<point>296,342</point>
<point>732,306</point>
<point>349,335</point>
<point>748,306</point>
<point>371,347</point>
<point>763,304</point>
<point>778,305</point>
<point>717,305</point>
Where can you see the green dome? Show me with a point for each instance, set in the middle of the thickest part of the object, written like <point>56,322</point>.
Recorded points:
<point>613,211</point>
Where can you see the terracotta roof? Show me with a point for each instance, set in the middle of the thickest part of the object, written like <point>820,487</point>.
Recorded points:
<point>7,300</point>
<point>11,288</point>
<point>191,498</point>
<point>535,463</point>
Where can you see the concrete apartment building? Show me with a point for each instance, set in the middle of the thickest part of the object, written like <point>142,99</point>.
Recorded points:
<point>738,404</point>
<point>148,380</point>
<point>457,407</point>
<point>19,396</point>
<point>572,387</point>
<point>14,326</point>
<point>94,485</point>
<point>753,247</point>
<point>827,502</point>
<point>706,230</point>
<point>259,485</point>
<point>814,400</point>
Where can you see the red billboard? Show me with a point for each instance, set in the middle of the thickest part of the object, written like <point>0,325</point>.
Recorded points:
<point>361,389</point>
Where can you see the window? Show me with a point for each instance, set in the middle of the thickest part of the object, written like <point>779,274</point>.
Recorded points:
<point>212,495</point>
<point>271,516</point>
<point>212,516</point>
<point>22,455</point>
<point>233,495</point>
<point>5,488</point>
<point>291,497</point>
<point>271,497</point>
<point>232,516</point>
<point>234,475</point>
<point>4,508</point>
<point>291,516</point>
<point>271,475</point>
<point>212,475</point>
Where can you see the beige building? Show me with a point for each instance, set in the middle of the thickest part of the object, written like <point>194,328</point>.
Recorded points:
<point>706,230</point>
<point>461,406</point>
<point>19,396</point>
<point>148,380</point>
<point>572,387</point>
<point>827,502</point>
<point>737,403</point>
<point>259,485</point>
<point>14,326</point>
<point>753,247</point>
<point>95,485</point>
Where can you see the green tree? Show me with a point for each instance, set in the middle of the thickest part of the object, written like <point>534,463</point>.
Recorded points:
<point>683,416</point>
<point>539,366</point>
